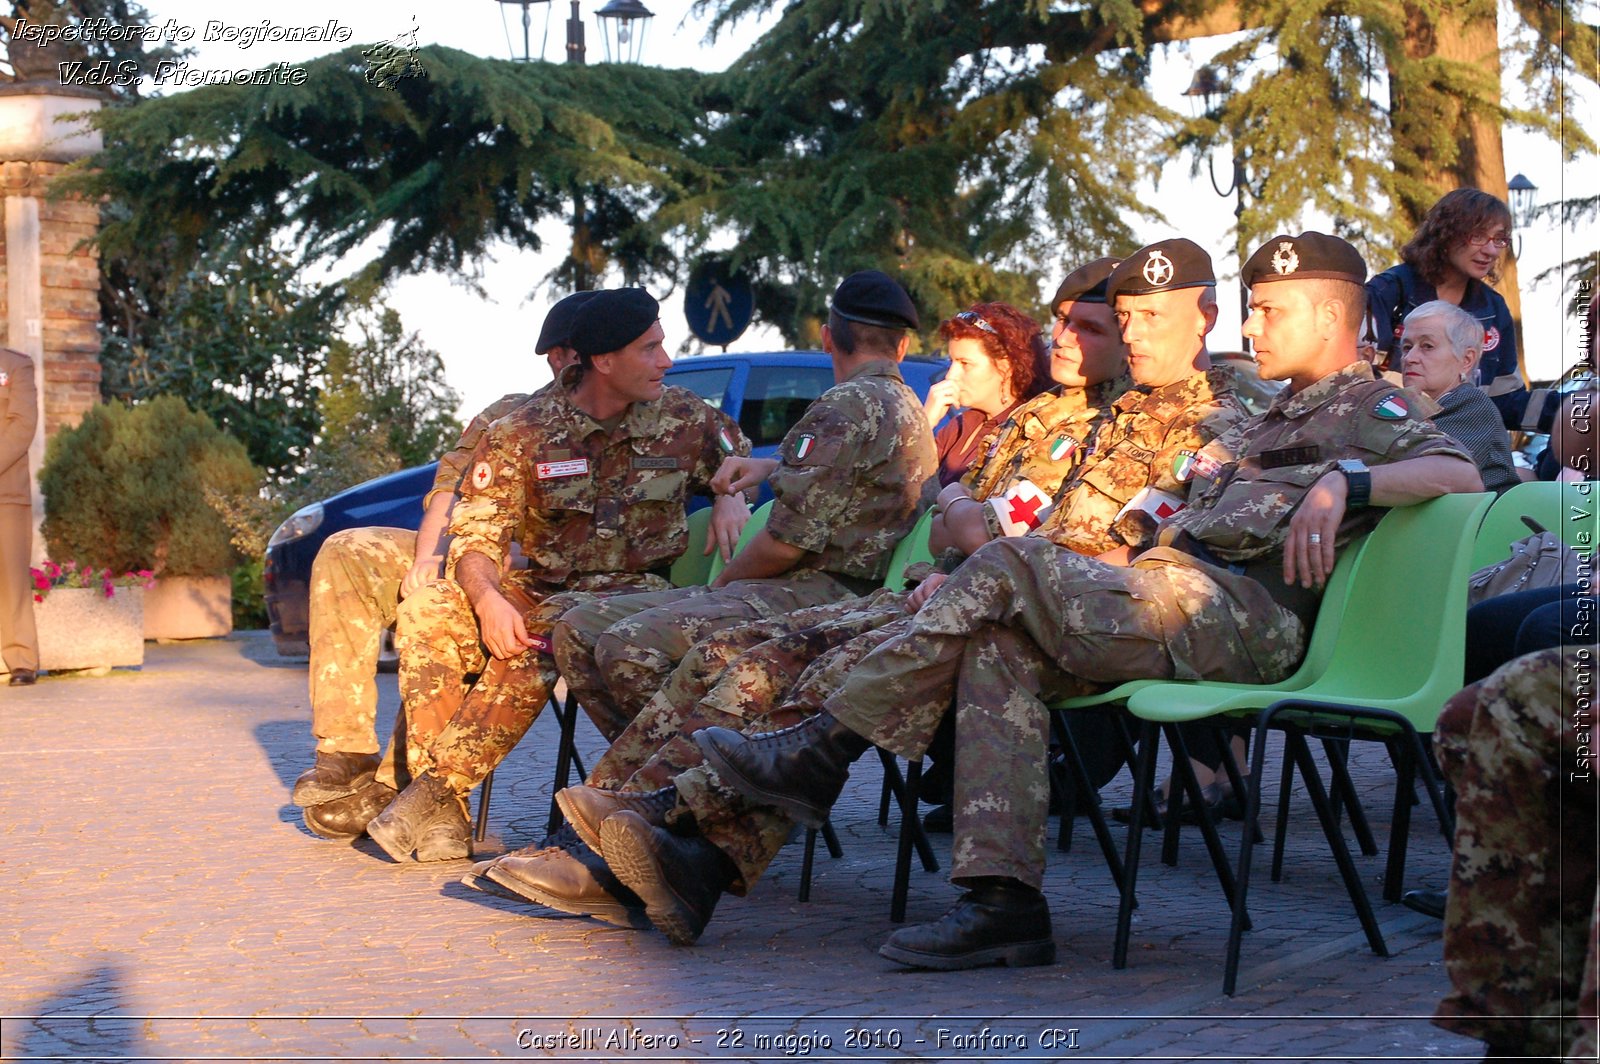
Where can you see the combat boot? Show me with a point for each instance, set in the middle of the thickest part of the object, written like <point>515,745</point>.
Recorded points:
<point>571,878</point>
<point>428,818</point>
<point>333,775</point>
<point>348,817</point>
<point>680,878</point>
<point>800,769</point>
<point>998,921</point>
<point>586,808</point>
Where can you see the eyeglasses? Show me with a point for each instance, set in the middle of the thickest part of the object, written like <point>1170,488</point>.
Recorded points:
<point>976,322</point>
<point>1499,240</point>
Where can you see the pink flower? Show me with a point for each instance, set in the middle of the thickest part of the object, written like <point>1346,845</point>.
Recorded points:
<point>38,598</point>
<point>39,581</point>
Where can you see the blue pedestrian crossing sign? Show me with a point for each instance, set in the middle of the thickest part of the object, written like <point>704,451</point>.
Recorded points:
<point>718,303</point>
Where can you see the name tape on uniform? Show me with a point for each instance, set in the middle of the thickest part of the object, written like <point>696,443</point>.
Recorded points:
<point>571,468</point>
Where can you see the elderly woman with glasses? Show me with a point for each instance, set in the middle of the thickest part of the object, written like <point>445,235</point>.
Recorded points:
<point>1439,357</point>
<point>997,361</point>
<point>1453,256</point>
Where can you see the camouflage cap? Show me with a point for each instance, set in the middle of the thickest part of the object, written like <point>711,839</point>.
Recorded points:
<point>1086,284</point>
<point>1310,255</point>
<point>1163,266</point>
<point>557,330</point>
<point>872,297</point>
<point>612,319</point>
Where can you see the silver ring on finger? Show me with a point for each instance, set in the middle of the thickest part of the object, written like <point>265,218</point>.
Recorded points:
<point>1315,538</point>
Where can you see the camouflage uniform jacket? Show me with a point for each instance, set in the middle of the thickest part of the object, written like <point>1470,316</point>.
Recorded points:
<point>453,463</point>
<point>851,473</point>
<point>1248,483</point>
<point>584,500</point>
<point>1042,441</point>
<point>1148,443</point>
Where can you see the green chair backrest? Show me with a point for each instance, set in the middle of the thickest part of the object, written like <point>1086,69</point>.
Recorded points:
<point>693,566</point>
<point>1570,510</point>
<point>757,522</point>
<point>912,548</point>
<point>1401,643</point>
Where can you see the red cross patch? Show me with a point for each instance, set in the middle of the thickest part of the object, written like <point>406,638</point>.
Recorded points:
<point>482,475</point>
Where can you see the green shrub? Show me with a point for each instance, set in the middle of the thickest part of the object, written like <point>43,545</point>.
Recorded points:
<point>140,488</point>
<point>249,596</point>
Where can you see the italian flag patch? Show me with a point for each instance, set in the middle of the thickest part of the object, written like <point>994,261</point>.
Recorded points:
<point>725,441</point>
<point>803,446</point>
<point>1063,446</point>
<point>1391,407</point>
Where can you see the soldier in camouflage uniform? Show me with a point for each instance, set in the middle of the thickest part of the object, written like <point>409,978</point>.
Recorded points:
<point>741,676</point>
<point>1520,925</point>
<point>357,581</point>
<point>592,479</point>
<point>845,490</point>
<point>1229,593</point>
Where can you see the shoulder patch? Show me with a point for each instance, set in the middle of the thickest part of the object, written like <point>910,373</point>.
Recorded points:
<point>1188,464</point>
<point>1491,339</point>
<point>803,445</point>
<point>482,475</point>
<point>1063,446</point>
<point>1392,407</point>
<point>725,440</point>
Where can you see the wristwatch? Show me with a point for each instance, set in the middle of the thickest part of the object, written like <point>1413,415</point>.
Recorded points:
<point>1359,479</point>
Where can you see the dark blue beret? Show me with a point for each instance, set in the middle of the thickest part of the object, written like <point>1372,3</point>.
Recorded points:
<point>612,319</point>
<point>874,298</point>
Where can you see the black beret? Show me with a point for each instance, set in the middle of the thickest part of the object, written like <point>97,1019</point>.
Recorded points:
<point>557,330</point>
<point>1086,284</point>
<point>1307,256</point>
<point>611,319</point>
<point>1163,266</point>
<point>874,298</point>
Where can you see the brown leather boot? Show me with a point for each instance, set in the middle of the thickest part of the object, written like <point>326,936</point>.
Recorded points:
<point>680,878</point>
<point>348,817</point>
<point>333,775</point>
<point>571,878</point>
<point>799,770</point>
<point>428,818</point>
<point>586,808</point>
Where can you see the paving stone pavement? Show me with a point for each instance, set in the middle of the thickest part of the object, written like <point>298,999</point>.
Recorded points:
<point>160,900</point>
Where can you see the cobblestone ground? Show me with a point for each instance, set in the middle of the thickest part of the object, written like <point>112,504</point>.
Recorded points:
<point>160,900</point>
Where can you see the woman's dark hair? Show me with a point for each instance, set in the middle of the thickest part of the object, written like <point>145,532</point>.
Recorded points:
<point>1012,340</point>
<point>1447,225</point>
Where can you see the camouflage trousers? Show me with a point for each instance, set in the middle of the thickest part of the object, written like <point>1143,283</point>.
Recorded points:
<point>1520,930</point>
<point>734,679</point>
<point>1023,622</point>
<point>355,595</point>
<point>460,732</point>
<point>616,653</point>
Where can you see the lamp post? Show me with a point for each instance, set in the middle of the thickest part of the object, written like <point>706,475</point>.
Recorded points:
<point>527,22</point>
<point>1522,192</point>
<point>623,27</point>
<point>1208,86</point>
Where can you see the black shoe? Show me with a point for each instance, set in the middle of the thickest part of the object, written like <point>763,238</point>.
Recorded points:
<point>800,770</point>
<point>680,878</point>
<point>23,678</point>
<point>1000,922</point>
<point>569,878</point>
<point>586,808</point>
<point>1427,902</point>
<point>348,817</point>
<point>940,820</point>
<point>428,818</point>
<point>333,775</point>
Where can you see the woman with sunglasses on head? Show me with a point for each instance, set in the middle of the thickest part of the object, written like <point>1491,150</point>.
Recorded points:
<point>997,355</point>
<point>1453,256</point>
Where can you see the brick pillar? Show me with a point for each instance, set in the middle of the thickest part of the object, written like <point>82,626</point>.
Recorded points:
<point>49,300</point>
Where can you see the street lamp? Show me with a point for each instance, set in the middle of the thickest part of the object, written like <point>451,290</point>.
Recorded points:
<point>1522,191</point>
<point>623,39</point>
<point>1208,86</point>
<point>527,20</point>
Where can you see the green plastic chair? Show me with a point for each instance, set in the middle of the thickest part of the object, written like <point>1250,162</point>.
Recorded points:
<point>1410,578</point>
<point>912,548</point>
<point>1570,510</point>
<point>693,567</point>
<point>758,521</point>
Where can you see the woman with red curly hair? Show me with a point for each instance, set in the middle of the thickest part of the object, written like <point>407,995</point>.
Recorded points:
<point>996,359</point>
<point>1453,256</point>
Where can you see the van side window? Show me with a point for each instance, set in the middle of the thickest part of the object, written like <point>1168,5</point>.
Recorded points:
<point>776,397</point>
<point>709,384</point>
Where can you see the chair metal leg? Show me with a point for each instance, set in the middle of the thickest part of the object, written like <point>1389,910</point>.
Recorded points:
<point>1184,773</point>
<point>1394,872</point>
<point>1280,831</point>
<point>806,863</point>
<point>1144,775</point>
<point>831,838</point>
<point>1078,785</point>
<point>481,830</point>
<point>567,758</point>
<point>1344,794</point>
<point>904,789</point>
<point>1341,852</point>
<point>1252,810</point>
<point>883,802</point>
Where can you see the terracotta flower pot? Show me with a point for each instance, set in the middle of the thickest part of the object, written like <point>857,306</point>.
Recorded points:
<point>188,607</point>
